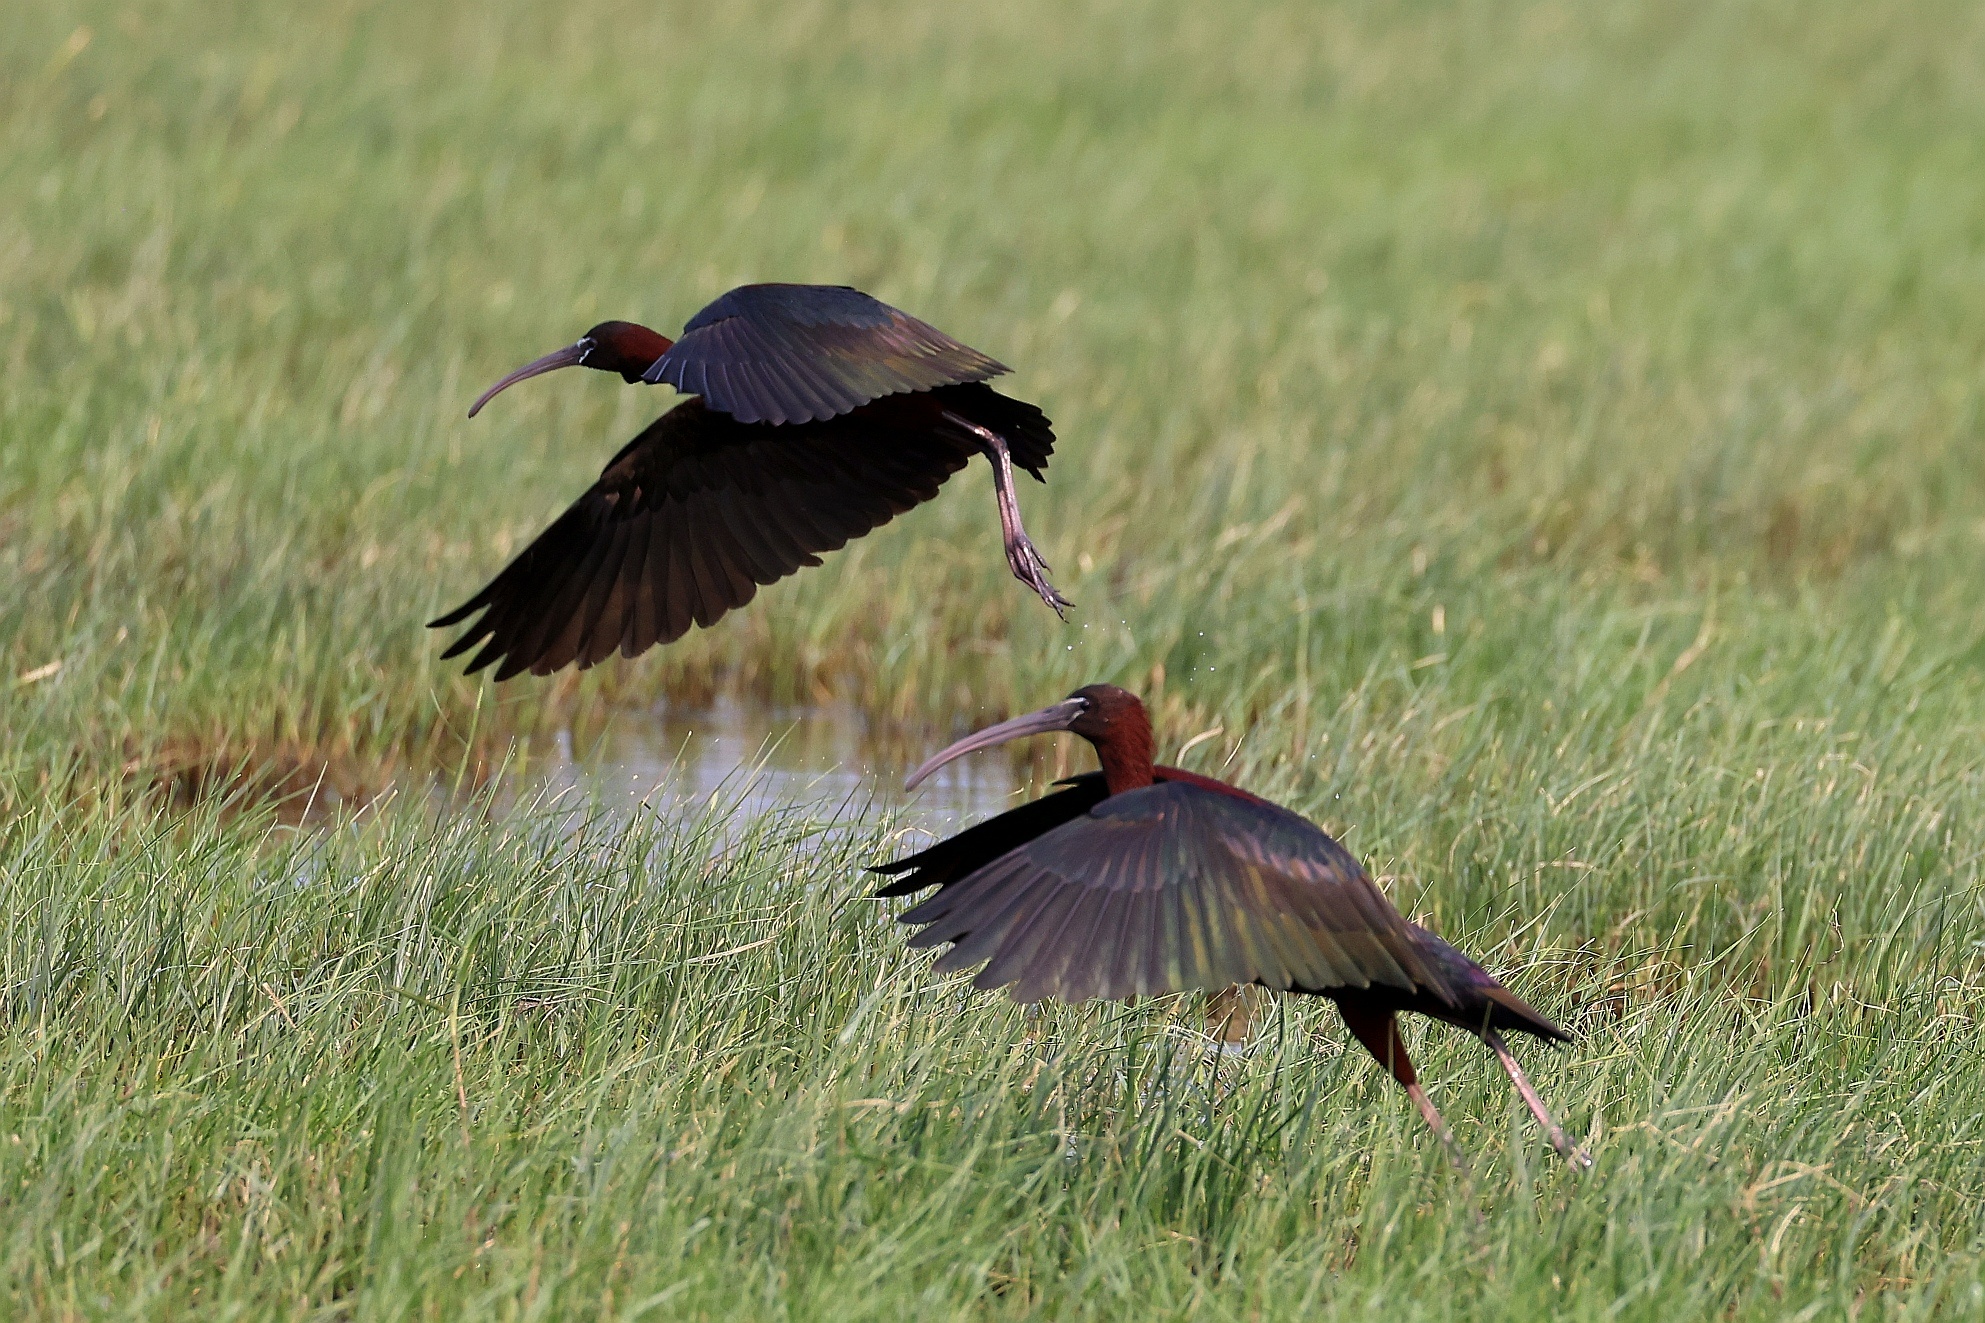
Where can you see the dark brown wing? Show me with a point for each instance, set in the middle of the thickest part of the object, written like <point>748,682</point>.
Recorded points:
<point>803,353</point>
<point>971,849</point>
<point>688,520</point>
<point>1173,887</point>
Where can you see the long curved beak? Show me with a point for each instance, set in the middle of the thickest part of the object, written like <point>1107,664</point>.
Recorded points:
<point>570,356</point>
<point>1059,717</point>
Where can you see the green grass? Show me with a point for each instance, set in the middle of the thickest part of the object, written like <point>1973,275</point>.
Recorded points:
<point>1543,438</point>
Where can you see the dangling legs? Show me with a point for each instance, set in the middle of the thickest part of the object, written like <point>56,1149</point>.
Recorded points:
<point>1230,1017</point>
<point>1379,1032</point>
<point>1021,555</point>
<point>1566,1149</point>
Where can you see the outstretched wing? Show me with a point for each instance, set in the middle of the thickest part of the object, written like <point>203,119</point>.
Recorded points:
<point>687,521</point>
<point>1172,887</point>
<point>800,353</point>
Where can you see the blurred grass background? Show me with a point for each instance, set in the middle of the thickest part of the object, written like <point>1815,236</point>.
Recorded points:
<point>1543,438</point>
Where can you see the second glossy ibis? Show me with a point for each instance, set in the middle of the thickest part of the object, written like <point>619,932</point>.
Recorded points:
<point>1142,879</point>
<point>819,414</point>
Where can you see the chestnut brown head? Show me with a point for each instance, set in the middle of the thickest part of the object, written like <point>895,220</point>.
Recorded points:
<point>1108,712</point>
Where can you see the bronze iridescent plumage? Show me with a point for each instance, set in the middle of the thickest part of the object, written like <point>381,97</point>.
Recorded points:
<point>820,414</point>
<point>1143,879</point>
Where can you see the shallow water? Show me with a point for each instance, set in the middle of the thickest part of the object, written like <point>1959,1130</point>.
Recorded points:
<point>752,758</point>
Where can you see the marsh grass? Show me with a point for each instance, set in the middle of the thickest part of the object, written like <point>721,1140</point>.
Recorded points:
<point>1541,439</point>
<point>492,1064</point>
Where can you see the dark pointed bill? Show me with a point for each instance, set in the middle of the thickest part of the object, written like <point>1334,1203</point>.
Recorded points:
<point>1059,717</point>
<point>570,356</point>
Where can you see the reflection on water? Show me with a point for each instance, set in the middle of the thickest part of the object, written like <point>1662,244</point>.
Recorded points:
<point>753,758</point>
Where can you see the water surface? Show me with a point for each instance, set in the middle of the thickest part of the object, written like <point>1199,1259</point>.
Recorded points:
<point>753,758</point>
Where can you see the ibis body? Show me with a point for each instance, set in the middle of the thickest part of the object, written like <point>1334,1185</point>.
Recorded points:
<point>1141,879</point>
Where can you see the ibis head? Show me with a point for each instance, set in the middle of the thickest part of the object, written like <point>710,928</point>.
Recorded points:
<point>624,347</point>
<point>1111,719</point>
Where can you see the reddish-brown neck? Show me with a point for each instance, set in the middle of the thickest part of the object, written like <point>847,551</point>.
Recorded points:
<point>1125,752</point>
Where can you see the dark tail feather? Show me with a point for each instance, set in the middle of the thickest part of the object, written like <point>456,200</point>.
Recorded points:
<point>1483,1001</point>
<point>1509,1011</point>
<point>1030,437</point>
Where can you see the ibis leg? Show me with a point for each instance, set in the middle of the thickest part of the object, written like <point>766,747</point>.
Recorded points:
<point>1021,555</point>
<point>1230,1017</point>
<point>1566,1149</point>
<point>1379,1032</point>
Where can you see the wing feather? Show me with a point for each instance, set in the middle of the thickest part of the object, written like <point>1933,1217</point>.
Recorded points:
<point>552,633</point>
<point>691,518</point>
<point>1211,963</point>
<point>728,560</point>
<point>1167,962</point>
<point>959,900</point>
<point>979,938</point>
<point>754,555</point>
<point>1174,887</point>
<point>658,627</point>
<point>679,587</point>
<point>776,534</point>
<point>617,611</point>
<point>576,643</point>
<point>552,557</point>
<point>1074,967</point>
<point>1027,939</point>
<point>1140,928</point>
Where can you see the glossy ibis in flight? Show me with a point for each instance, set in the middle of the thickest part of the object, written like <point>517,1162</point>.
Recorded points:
<point>1142,879</point>
<point>818,414</point>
